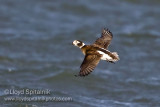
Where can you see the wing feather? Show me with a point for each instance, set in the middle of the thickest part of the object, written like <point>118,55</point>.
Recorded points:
<point>89,63</point>
<point>105,39</point>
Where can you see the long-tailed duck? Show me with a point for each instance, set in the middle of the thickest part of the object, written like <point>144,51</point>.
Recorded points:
<point>96,52</point>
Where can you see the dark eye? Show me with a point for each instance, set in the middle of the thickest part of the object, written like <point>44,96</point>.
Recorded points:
<point>79,44</point>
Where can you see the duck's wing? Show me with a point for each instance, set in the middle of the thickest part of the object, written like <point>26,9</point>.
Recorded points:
<point>89,63</point>
<point>105,39</point>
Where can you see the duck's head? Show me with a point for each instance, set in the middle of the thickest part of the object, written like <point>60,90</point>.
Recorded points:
<point>78,43</point>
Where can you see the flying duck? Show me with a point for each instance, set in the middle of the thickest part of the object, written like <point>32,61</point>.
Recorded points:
<point>96,52</point>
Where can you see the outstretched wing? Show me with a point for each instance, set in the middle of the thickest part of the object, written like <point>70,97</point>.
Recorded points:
<point>104,40</point>
<point>89,63</point>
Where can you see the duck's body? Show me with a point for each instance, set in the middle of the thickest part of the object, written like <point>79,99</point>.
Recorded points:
<point>105,54</point>
<point>96,52</point>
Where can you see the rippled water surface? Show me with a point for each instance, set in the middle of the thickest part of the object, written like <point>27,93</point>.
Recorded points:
<point>36,51</point>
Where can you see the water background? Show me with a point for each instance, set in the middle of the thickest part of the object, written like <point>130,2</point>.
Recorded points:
<point>36,51</point>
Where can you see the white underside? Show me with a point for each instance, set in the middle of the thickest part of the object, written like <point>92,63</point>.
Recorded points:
<point>105,56</point>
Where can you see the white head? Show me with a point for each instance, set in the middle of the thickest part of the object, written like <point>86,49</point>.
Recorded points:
<point>78,43</point>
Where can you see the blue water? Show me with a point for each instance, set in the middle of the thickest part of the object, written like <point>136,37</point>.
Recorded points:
<point>36,51</point>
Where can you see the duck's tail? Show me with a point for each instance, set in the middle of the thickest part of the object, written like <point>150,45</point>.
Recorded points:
<point>116,56</point>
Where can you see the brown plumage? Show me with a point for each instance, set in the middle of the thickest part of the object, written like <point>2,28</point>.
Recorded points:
<point>96,52</point>
<point>90,61</point>
<point>105,39</point>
